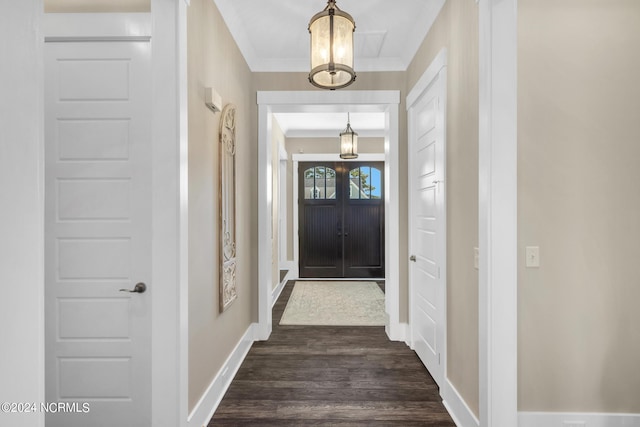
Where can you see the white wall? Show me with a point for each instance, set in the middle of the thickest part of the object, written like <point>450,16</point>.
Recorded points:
<point>22,212</point>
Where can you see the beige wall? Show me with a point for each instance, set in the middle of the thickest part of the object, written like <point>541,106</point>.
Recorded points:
<point>579,201</point>
<point>214,60</point>
<point>96,6</point>
<point>316,146</point>
<point>456,28</point>
<point>366,145</point>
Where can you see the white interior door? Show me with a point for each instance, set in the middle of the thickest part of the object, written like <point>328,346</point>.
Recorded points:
<point>427,227</point>
<point>97,231</point>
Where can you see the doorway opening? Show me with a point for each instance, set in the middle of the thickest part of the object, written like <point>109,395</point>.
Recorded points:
<point>270,103</point>
<point>341,217</point>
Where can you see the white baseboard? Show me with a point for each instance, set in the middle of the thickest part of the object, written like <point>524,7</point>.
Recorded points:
<point>397,331</point>
<point>290,266</point>
<point>211,398</point>
<point>457,407</point>
<point>577,419</point>
<point>275,293</point>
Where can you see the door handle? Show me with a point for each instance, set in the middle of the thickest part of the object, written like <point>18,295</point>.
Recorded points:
<point>412,258</point>
<point>139,288</point>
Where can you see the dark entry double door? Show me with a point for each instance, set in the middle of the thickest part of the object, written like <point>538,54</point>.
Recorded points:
<point>341,219</point>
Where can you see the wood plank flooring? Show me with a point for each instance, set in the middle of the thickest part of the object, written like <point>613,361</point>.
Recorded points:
<point>330,376</point>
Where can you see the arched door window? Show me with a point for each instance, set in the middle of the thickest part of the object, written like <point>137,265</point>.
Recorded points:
<point>320,183</point>
<point>365,182</point>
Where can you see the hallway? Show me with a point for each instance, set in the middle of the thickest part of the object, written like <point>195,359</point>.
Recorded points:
<point>314,375</point>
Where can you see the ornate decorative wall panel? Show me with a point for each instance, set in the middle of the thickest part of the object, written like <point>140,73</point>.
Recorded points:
<point>227,203</point>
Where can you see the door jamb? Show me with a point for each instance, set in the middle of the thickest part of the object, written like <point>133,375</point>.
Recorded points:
<point>270,102</point>
<point>498,216</point>
<point>170,214</point>
<point>283,203</point>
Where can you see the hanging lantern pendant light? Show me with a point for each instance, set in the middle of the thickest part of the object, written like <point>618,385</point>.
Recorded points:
<point>348,142</point>
<point>332,48</point>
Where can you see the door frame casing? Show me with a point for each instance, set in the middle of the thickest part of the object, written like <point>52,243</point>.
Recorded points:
<point>282,208</point>
<point>498,212</point>
<point>320,157</point>
<point>270,102</point>
<point>22,226</point>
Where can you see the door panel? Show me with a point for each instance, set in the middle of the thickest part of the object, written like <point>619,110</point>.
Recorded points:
<point>427,229</point>
<point>341,220</point>
<point>364,240</point>
<point>97,231</point>
<point>321,248</point>
<point>320,221</point>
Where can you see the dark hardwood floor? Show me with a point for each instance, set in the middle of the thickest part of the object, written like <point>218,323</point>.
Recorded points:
<point>330,376</point>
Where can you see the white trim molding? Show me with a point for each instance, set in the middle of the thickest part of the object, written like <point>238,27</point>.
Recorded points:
<point>169,352</point>
<point>208,403</point>
<point>265,221</point>
<point>292,267</point>
<point>462,415</point>
<point>498,309</point>
<point>183,274</point>
<point>385,101</point>
<point>275,294</point>
<point>427,77</point>
<point>577,419</point>
<point>23,215</point>
<point>60,27</point>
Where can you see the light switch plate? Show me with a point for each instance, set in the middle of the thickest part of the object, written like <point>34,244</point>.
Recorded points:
<point>532,254</point>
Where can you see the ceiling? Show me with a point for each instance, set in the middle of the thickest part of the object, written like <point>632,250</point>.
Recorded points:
<point>329,125</point>
<point>273,36</point>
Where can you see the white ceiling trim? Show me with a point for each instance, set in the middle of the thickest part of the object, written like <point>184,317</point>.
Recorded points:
<point>315,100</point>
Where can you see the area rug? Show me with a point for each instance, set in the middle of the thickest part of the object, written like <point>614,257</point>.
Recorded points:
<point>335,304</point>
